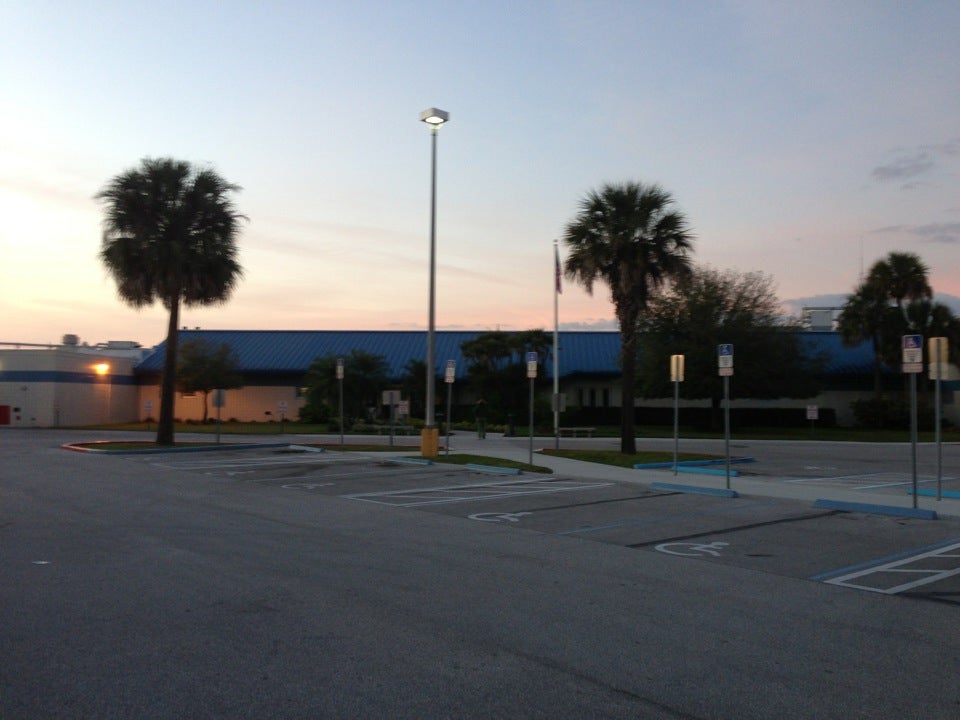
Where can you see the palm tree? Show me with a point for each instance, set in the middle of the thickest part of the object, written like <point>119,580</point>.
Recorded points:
<point>169,234</point>
<point>902,276</point>
<point>866,316</point>
<point>628,236</point>
<point>877,312</point>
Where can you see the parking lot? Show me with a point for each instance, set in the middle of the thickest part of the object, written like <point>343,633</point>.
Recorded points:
<point>284,582</point>
<point>785,536</point>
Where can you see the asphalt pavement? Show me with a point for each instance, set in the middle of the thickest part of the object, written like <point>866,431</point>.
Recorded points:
<point>290,584</point>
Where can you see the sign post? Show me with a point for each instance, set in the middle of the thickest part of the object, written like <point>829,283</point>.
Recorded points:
<point>392,398</point>
<point>448,377</point>
<point>813,414</point>
<point>340,383</point>
<point>725,369</point>
<point>937,353</point>
<point>532,374</point>
<point>219,401</point>
<point>676,377</point>
<point>912,362</point>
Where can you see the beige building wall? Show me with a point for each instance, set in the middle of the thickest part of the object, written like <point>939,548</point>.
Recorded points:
<point>60,386</point>
<point>247,404</point>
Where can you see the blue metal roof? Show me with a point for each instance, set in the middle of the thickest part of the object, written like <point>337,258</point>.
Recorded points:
<point>841,360</point>
<point>285,352</point>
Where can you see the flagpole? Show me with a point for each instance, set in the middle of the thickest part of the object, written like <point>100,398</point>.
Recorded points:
<point>556,346</point>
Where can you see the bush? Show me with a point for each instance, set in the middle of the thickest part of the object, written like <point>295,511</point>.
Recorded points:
<point>890,414</point>
<point>317,413</point>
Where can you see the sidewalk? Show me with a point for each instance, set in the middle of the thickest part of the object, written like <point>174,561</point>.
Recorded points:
<point>518,448</point>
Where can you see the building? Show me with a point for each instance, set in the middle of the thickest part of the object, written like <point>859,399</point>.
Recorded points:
<point>73,384</point>
<point>68,384</point>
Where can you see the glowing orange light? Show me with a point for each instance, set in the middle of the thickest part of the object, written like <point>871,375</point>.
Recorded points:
<point>101,368</point>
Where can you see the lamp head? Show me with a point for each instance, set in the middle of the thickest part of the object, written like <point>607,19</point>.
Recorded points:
<point>434,117</point>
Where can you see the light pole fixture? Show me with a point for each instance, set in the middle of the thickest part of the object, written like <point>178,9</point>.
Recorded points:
<point>429,441</point>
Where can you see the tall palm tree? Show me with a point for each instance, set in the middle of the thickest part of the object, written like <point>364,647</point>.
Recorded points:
<point>628,236</point>
<point>902,276</point>
<point>866,316</point>
<point>169,234</point>
<point>879,310</point>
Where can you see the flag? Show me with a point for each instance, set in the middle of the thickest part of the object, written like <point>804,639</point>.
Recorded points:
<point>559,274</point>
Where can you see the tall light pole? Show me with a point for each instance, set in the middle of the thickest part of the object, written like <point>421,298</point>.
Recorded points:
<point>429,439</point>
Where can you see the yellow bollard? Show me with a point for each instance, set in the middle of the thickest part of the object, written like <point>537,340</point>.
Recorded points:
<point>430,442</point>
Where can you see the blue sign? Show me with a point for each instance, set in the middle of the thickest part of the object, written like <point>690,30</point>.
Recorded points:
<point>912,342</point>
<point>725,349</point>
<point>531,357</point>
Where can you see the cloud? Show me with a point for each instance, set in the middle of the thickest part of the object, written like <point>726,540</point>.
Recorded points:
<point>903,167</point>
<point>942,233</point>
<point>912,163</point>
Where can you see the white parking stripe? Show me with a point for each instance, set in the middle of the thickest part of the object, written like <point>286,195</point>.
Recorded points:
<point>898,568</point>
<point>468,493</point>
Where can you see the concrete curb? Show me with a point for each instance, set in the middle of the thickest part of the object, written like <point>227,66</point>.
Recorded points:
<point>494,469</point>
<point>871,509</point>
<point>695,490</point>
<point>400,460</point>
<point>185,449</point>
<point>927,492</point>
<point>707,471</point>
<point>691,463</point>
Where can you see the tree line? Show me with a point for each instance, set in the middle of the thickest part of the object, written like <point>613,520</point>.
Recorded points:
<point>170,232</point>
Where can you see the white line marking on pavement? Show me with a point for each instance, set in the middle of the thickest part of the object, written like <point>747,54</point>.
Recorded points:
<point>929,574</point>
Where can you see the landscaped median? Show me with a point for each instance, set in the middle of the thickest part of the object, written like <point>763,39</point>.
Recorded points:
<point>644,458</point>
<point>481,463</point>
<point>118,447</point>
<point>475,462</point>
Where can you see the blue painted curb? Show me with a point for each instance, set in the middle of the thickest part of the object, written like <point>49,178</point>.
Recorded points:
<point>494,469</point>
<point>185,449</point>
<point>692,489</point>
<point>927,492</point>
<point>691,463</point>
<point>872,509</point>
<point>409,460</point>
<point>707,471</point>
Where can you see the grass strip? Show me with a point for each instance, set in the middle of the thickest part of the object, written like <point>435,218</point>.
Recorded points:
<point>468,459</point>
<point>619,459</point>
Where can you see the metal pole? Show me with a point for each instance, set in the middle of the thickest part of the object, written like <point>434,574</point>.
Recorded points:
<point>556,348</point>
<point>939,371</point>
<point>431,322</point>
<point>726,424</point>
<point>341,410</point>
<point>676,423</point>
<point>531,421</point>
<point>913,433</point>
<point>449,403</point>
<point>393,408</point>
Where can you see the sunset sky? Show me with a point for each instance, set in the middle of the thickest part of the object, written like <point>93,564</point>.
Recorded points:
<point>803,139</point>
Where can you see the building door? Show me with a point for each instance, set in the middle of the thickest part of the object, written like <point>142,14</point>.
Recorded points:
<point>4,414</point>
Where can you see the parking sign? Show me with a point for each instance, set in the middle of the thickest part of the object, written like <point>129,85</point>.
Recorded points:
<point>912,353</point>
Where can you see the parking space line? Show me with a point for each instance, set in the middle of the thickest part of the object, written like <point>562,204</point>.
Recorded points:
<point>259,462</point>
<point>849,569</point>
<point>897,568</point>
<point>469,493</point>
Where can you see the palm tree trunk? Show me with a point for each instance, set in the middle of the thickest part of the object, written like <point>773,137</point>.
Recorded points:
<point>628,363</point>
<point>168,379</point>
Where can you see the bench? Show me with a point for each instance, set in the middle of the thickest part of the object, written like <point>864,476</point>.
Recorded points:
<point>572,431</point>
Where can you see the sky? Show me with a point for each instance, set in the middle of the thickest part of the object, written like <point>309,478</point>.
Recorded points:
<point>804,140</point>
